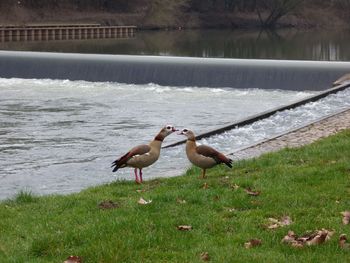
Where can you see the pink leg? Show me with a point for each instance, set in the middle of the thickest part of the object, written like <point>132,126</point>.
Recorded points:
<point>136,177</point>
<point>141,175</point>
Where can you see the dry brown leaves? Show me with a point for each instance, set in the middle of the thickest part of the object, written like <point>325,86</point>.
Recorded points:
<point>253,243</point>
<point>73,259</point>
<point>251,192</point>
<point>309,239</point>
<point>346,217</point>
<point>143,201</point>
<point>184,228</point>
<point>275,223</point>
<point>108,204</point>
<point>343,242</point>
<point>205,256</point>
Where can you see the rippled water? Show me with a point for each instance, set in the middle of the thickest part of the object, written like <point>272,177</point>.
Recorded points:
<point>61,136</point>
<point>280,122</point>
<point>327,45</point>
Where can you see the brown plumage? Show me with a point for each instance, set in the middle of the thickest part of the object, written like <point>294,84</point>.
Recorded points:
<point>203,156</point>
<point>144,155</point>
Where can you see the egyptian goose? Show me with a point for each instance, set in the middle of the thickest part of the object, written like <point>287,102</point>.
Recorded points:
<point>144,155</point>
<point>203,156</point>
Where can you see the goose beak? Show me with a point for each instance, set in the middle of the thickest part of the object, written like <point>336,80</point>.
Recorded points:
<point>174,130</point>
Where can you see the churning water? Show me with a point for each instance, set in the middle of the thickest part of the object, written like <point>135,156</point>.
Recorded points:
<point>61,136</point>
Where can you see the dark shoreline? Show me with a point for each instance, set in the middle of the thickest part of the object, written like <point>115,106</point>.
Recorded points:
<point>306,18</point>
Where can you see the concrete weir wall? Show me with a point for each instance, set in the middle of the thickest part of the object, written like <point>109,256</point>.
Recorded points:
<point>174,71</point>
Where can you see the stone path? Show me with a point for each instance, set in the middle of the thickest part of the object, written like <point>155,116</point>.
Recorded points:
<point>299,137</point>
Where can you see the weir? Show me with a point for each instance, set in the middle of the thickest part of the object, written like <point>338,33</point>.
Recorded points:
<point>174,71</point>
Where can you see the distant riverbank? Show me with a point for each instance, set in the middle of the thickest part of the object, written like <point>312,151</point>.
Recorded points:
<point>307,16</point>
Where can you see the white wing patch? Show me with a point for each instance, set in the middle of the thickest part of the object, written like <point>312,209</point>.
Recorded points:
<point>137,155</point>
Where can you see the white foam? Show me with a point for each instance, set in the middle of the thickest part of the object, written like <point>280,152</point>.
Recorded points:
<point>59,136</point>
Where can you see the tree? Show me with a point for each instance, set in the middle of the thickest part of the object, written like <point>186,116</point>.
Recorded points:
<point>275,10</point>
<point>166,12</point>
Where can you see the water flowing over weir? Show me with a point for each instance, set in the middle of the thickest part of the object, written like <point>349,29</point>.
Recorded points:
<point>60,136</point>
<point>173,71</point>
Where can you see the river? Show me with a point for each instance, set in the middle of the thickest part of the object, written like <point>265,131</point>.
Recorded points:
<point>60,136</point>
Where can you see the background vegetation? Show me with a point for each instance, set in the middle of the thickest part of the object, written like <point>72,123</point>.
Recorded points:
<point>184,13</point>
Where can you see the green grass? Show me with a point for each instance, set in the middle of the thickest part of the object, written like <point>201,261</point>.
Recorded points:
<point>309,184</point>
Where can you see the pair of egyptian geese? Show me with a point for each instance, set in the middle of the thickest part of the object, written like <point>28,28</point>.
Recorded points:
<point>142,156</point>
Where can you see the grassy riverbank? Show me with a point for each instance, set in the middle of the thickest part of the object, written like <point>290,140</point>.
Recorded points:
<point>310,185</point>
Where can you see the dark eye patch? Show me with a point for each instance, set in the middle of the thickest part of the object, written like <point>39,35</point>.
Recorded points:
<point>185,130</point>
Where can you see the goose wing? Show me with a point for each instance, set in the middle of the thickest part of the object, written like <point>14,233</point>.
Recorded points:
<point>138,150</point>
<point>208,151</point>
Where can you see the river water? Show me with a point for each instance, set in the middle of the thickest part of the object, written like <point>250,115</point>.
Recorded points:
<point>282,44</point>
<point>61,136</point>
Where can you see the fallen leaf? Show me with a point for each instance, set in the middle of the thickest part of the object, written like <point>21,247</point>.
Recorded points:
<point>297,244</point>
<point>140,190</point>
<point>252,243</point>
<point>231,209</point>
<point>181,201</point>
<point>273,220</point>
<point>73,259</point>
<point>346,217</point>
<point>184,228</point>
<point>275,223</point>
<point>234,186</point>
<point>144,202</point>
<point>286,221</point>
<point>342,241</point>
<point>273,226</point>
<point>249,191</point>
<point>205,186</point>
<point>314,238</point>
<point>289,238</point>
<point>205,256</point>
<point>320,238</point>
<point>303,239</point>
<point>108,204</point>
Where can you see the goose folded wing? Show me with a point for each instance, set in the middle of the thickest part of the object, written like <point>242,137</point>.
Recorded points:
<point>138,150</point>
<point>207,151</point>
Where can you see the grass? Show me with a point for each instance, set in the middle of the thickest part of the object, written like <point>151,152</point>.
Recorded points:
<point>309,184</point>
